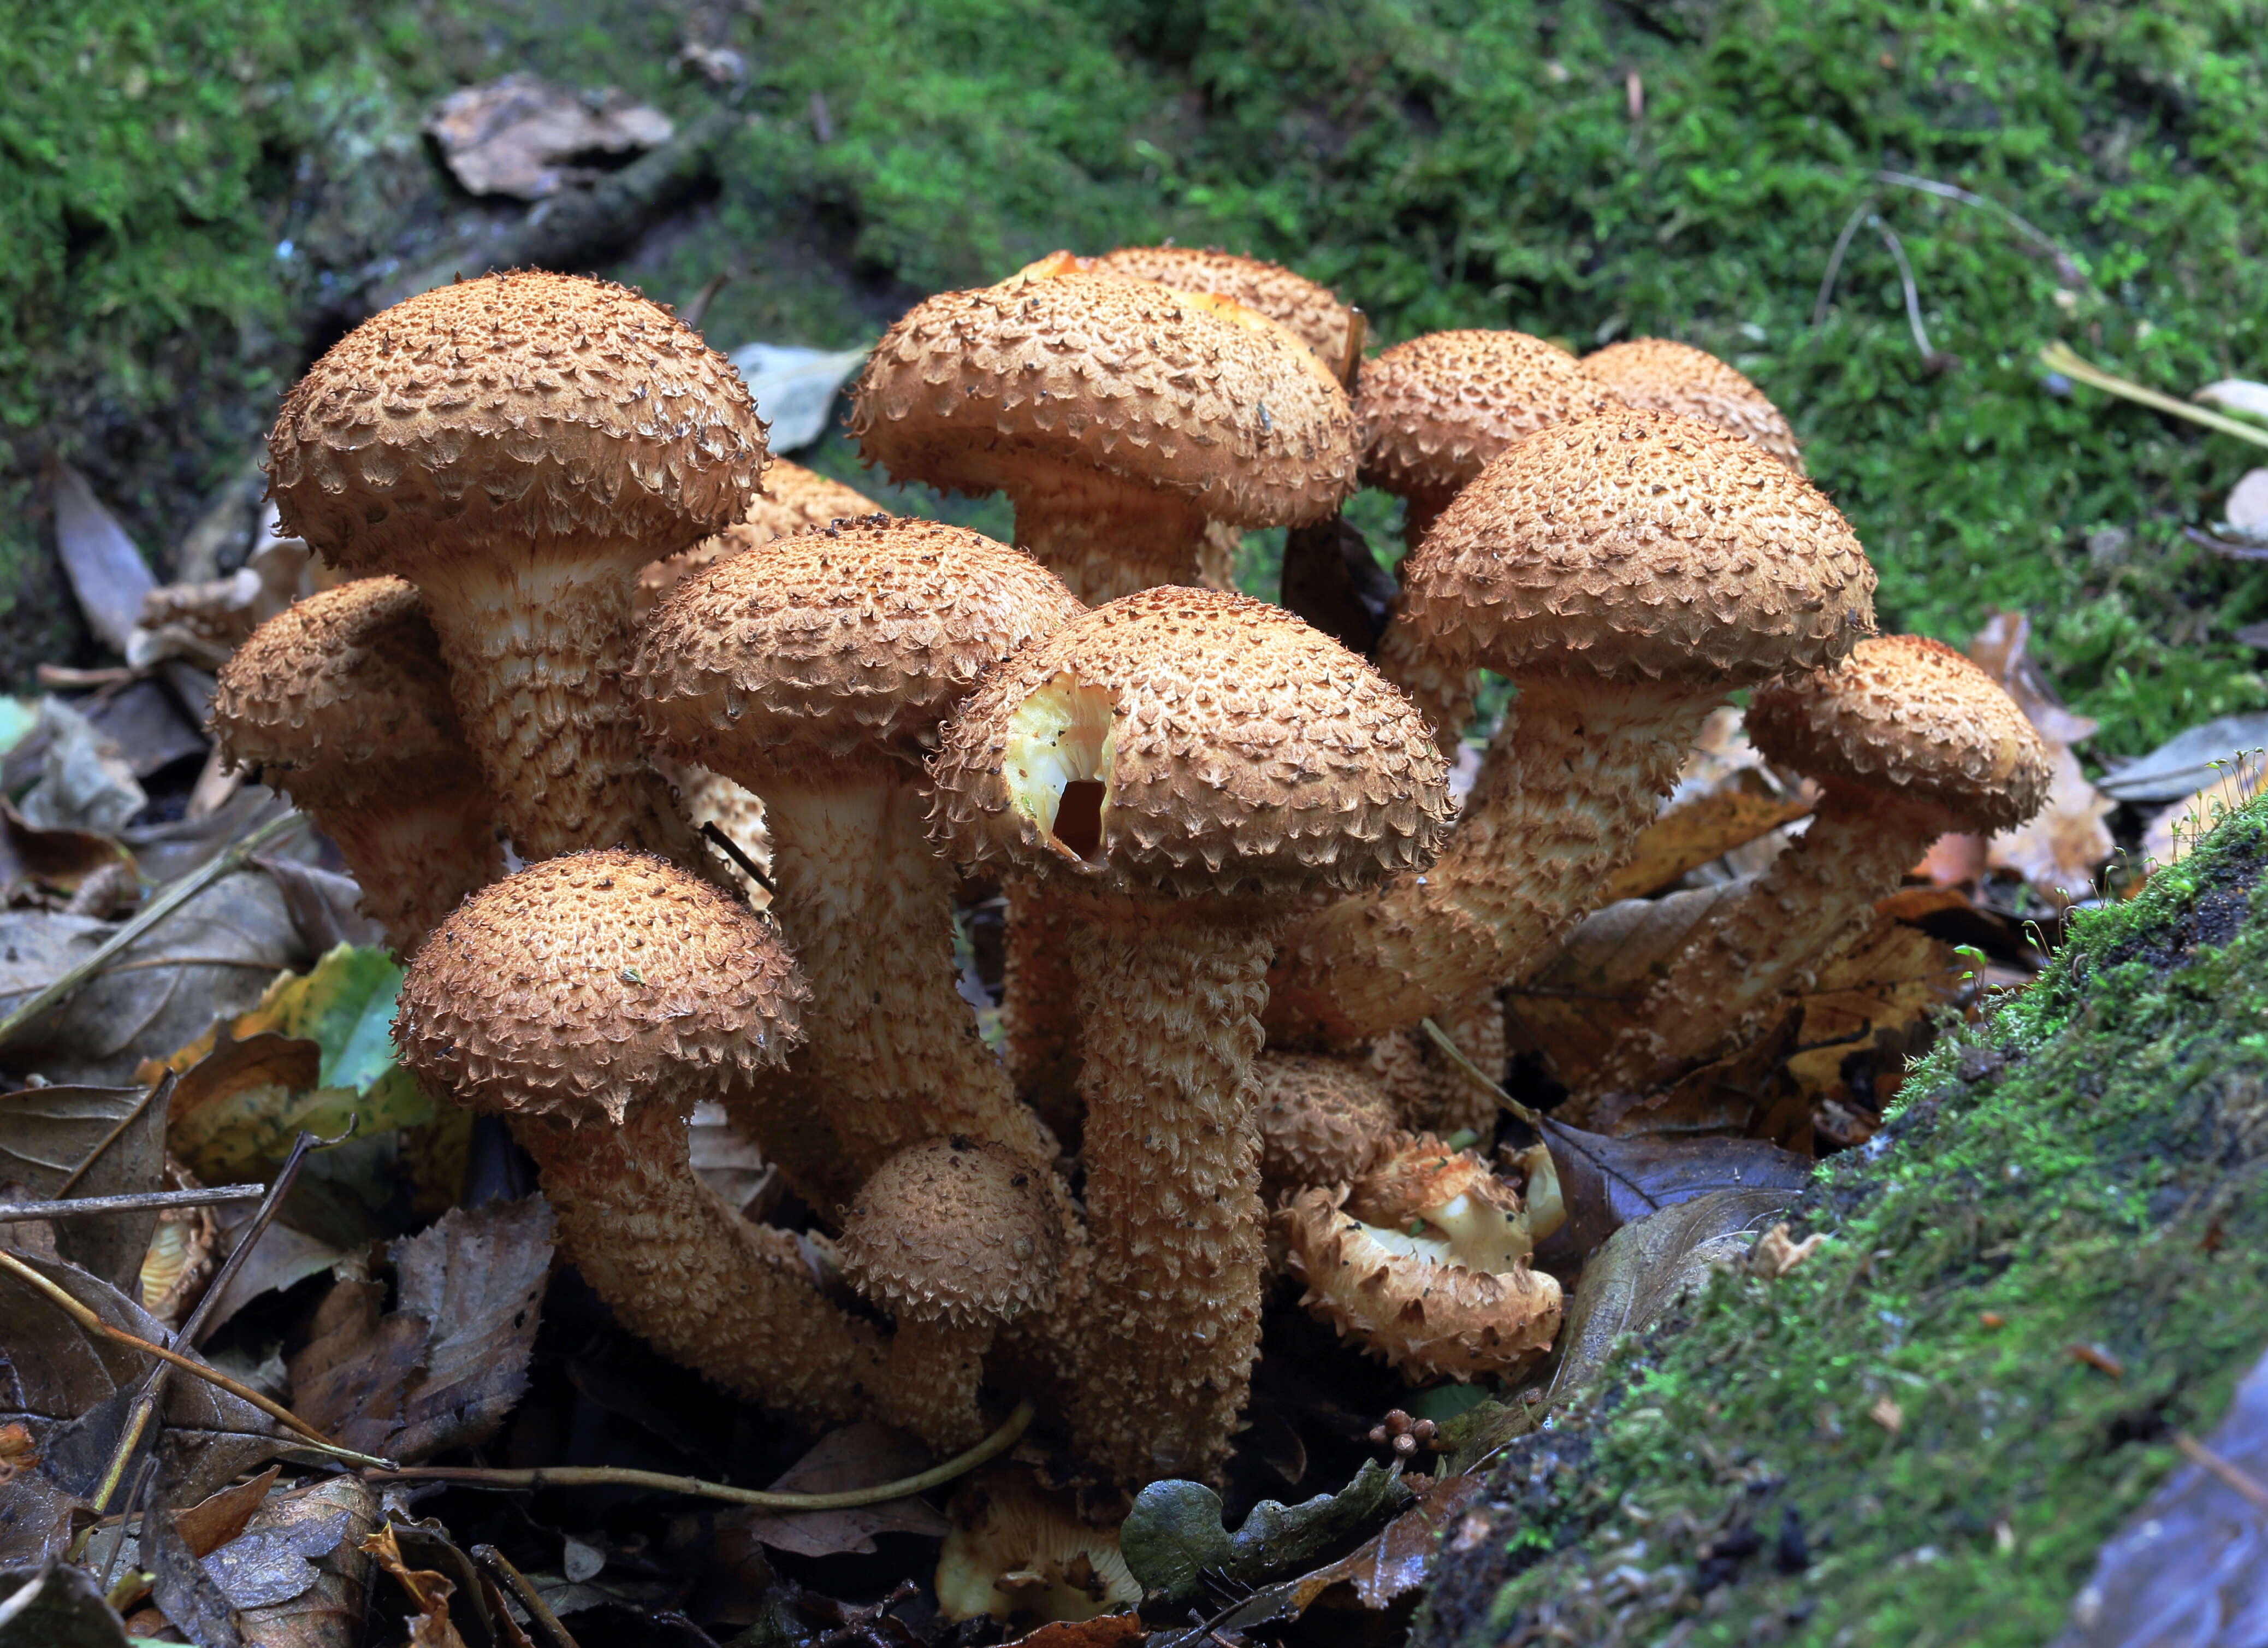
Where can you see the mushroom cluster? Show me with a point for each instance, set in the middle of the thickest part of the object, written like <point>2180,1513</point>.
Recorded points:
<point>591,610</point>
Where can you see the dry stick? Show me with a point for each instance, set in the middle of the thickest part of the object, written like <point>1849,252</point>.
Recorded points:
<point>2234,1476</point>
<point>1441,1040</point>
<point>1930,357</point>
<point>2065,266</point>
<point>1859,215</point>
<point>94,1324</point>
<point>171,898</point>
<point>714,832</point>
<point>163,1086</point>
<point>83,1206</point>
<point>494,1560</point>
<point>607,1476</point>
<point>2059,357</point>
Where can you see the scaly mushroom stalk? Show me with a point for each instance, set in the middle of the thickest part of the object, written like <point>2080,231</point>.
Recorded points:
<point>1184,768</point>
<point>1039,1008</point>
<point>517,447</point>
<point>814,669</point>
<point>341,702</point>
<point>1908,740</point>
<point>593,1000</point>
<point>1119,416</point>
<point>1625,572</point>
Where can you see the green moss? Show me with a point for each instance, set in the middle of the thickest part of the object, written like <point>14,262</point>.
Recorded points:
<point>1445,162</point>
<point>2058,1260</point>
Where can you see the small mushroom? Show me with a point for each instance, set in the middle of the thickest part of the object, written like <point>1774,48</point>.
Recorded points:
<point>1321,1120</point>
<point>1429,415</point>
<point>955,1239</point>
<point>1119,417</point>
<point>1626,572</point>
<point>1313,314</point>
<point>342,703</point>
<point>1434,1093</point>
<point>793,498</point>
<point>1662,376</point>
<point>1184,769</point>
<point>591,1001</point>
<point>1909,740</point>
<point>814,669</point>
<point>1424,1262</point>
<point>517,447</point>
<point>1026,1556</point>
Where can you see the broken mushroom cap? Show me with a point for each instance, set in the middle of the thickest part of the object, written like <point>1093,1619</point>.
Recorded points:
<point>953,1231</point>
<point>793,498</point>
<point>342,701</point>
<point>1189,742</point>
<point>1655,374</point>
<point>1433,412</point>
<point>1311,311</point>
<point>1911,716</point>
<point>588,983</point>
<point>513,407</point>
<point>857,638</point>
<point>1641,545</point>
<point>988,390</point>
<point>1022,1554</point>
<point>1322,1120</point>
<point>1451,1194</point>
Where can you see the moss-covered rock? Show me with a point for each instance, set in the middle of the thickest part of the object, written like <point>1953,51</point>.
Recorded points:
<point>2053,1261</point>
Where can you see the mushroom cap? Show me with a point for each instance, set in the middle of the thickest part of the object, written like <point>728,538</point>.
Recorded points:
<point>952,1230</point>
<point>516,408</point>
<point>1238,750</point>
<point>793,497</point>
<point>1452,1195</point>
<point>1428,1319</point>
<point>1910,715</point>
<point>863,634</point>
<point>1313,313</point>
<point>984,390</point>
<point>1322,1120</point>
<point>1641,544</point>
<point>349,677</point>
<point>1431,412</point>
<point>1662,376</point>
<point>1020,1552</point>
<point>593,981</point>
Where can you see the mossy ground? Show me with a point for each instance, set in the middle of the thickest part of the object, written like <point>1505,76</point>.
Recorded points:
<point>2056,1261</point>
<point>204,190</point>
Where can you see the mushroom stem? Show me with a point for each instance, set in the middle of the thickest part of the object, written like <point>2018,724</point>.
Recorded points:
<point>417,844</point>
<point>892,1054</point>
<point>1170,994</point>
<point>931,1385</point>
<point>1040,1006</point>
<point>1754,949</point>
<point>1577,770</point>
<point>733,1300</point>
<point>1106,537</point>
<point>539,651</point>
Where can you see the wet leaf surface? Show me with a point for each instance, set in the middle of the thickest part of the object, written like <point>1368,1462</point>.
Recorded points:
<point>57,1606</point>
<point>49,1133</point>
<point>330,1611</point>
<point>855,1456</point>
<point>1174,1540</point>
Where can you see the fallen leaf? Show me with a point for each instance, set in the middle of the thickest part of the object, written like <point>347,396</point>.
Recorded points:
<point>352,1377</point>
<point>215,1519</point>
<point>236,1108</point>
<point>516,136</point>
<point>2189,762</point>
<point>2172,835</point>
<point>56,1604</point>
<point>1874,1011</point>
<point>2002,649</point>
<point>316,1535</point>
<point>106,572</point>
<point>2060,850</point>
<point>146,722</point>
<point>59,859</point>
<point>1110,1631</point>
<point>799,387</point>
<point>855,1456</point>
<point>47,1134</point>
<point>1687,836</point>
<point>429,1593</point>
<point>1606,1183</point>
<point>179,1586</point>
<point>283,1257</point>
<point>325,906</point>
<point>1174,1540</point>
<point>86,781</point>
<point>71,1389</point>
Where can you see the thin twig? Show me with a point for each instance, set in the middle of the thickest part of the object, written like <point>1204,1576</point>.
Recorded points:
<point>1930,357</point>
<point>2060,357</point>
<point>2223,548</point>
<point>94,1324</point>
<point>2065,265</point>
<point>1859,215</point>
<point>2227,1470</point>
<point>1441,1040</point>
<point>85,1207</point>
<point>714,832</point>
<point>171,898</point>
<point>608,1475</point>
<point>164,1085</point>
<point>497,1563</point>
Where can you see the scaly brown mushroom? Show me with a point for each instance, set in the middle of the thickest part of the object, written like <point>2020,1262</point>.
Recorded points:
<point>1312,313</point>
<point>1429,415</point>
<point>1662,376</point>
<point>814,669</point>
<point>1119,416</point>
<point>1423,1262</point>
<point>517,447</point>
<point>955,1239</point>
<point>1909,740</point>
<point>1184,768</point>
<point>1322,1120</point>
<point>591,1001</point>
<point>794,499</point>
<point>1626,572</point>
<point>342,702</point>
<point>1026,1556</point>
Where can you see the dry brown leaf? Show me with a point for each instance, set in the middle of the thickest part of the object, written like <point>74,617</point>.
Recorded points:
<point>518,134</point>
<point>2060,852</point>
<point>1110,1631</point>
<point>1873,1010</point>
<point>1685,836</point>
<point>429,1593</point>
<point>2002,650</point>
<point>46,1133</point>
<point>350,1380</point>
<point>58,860</point>
<point>855,1456</point>
<point>215,1519</point>
<point>325,1526</point>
